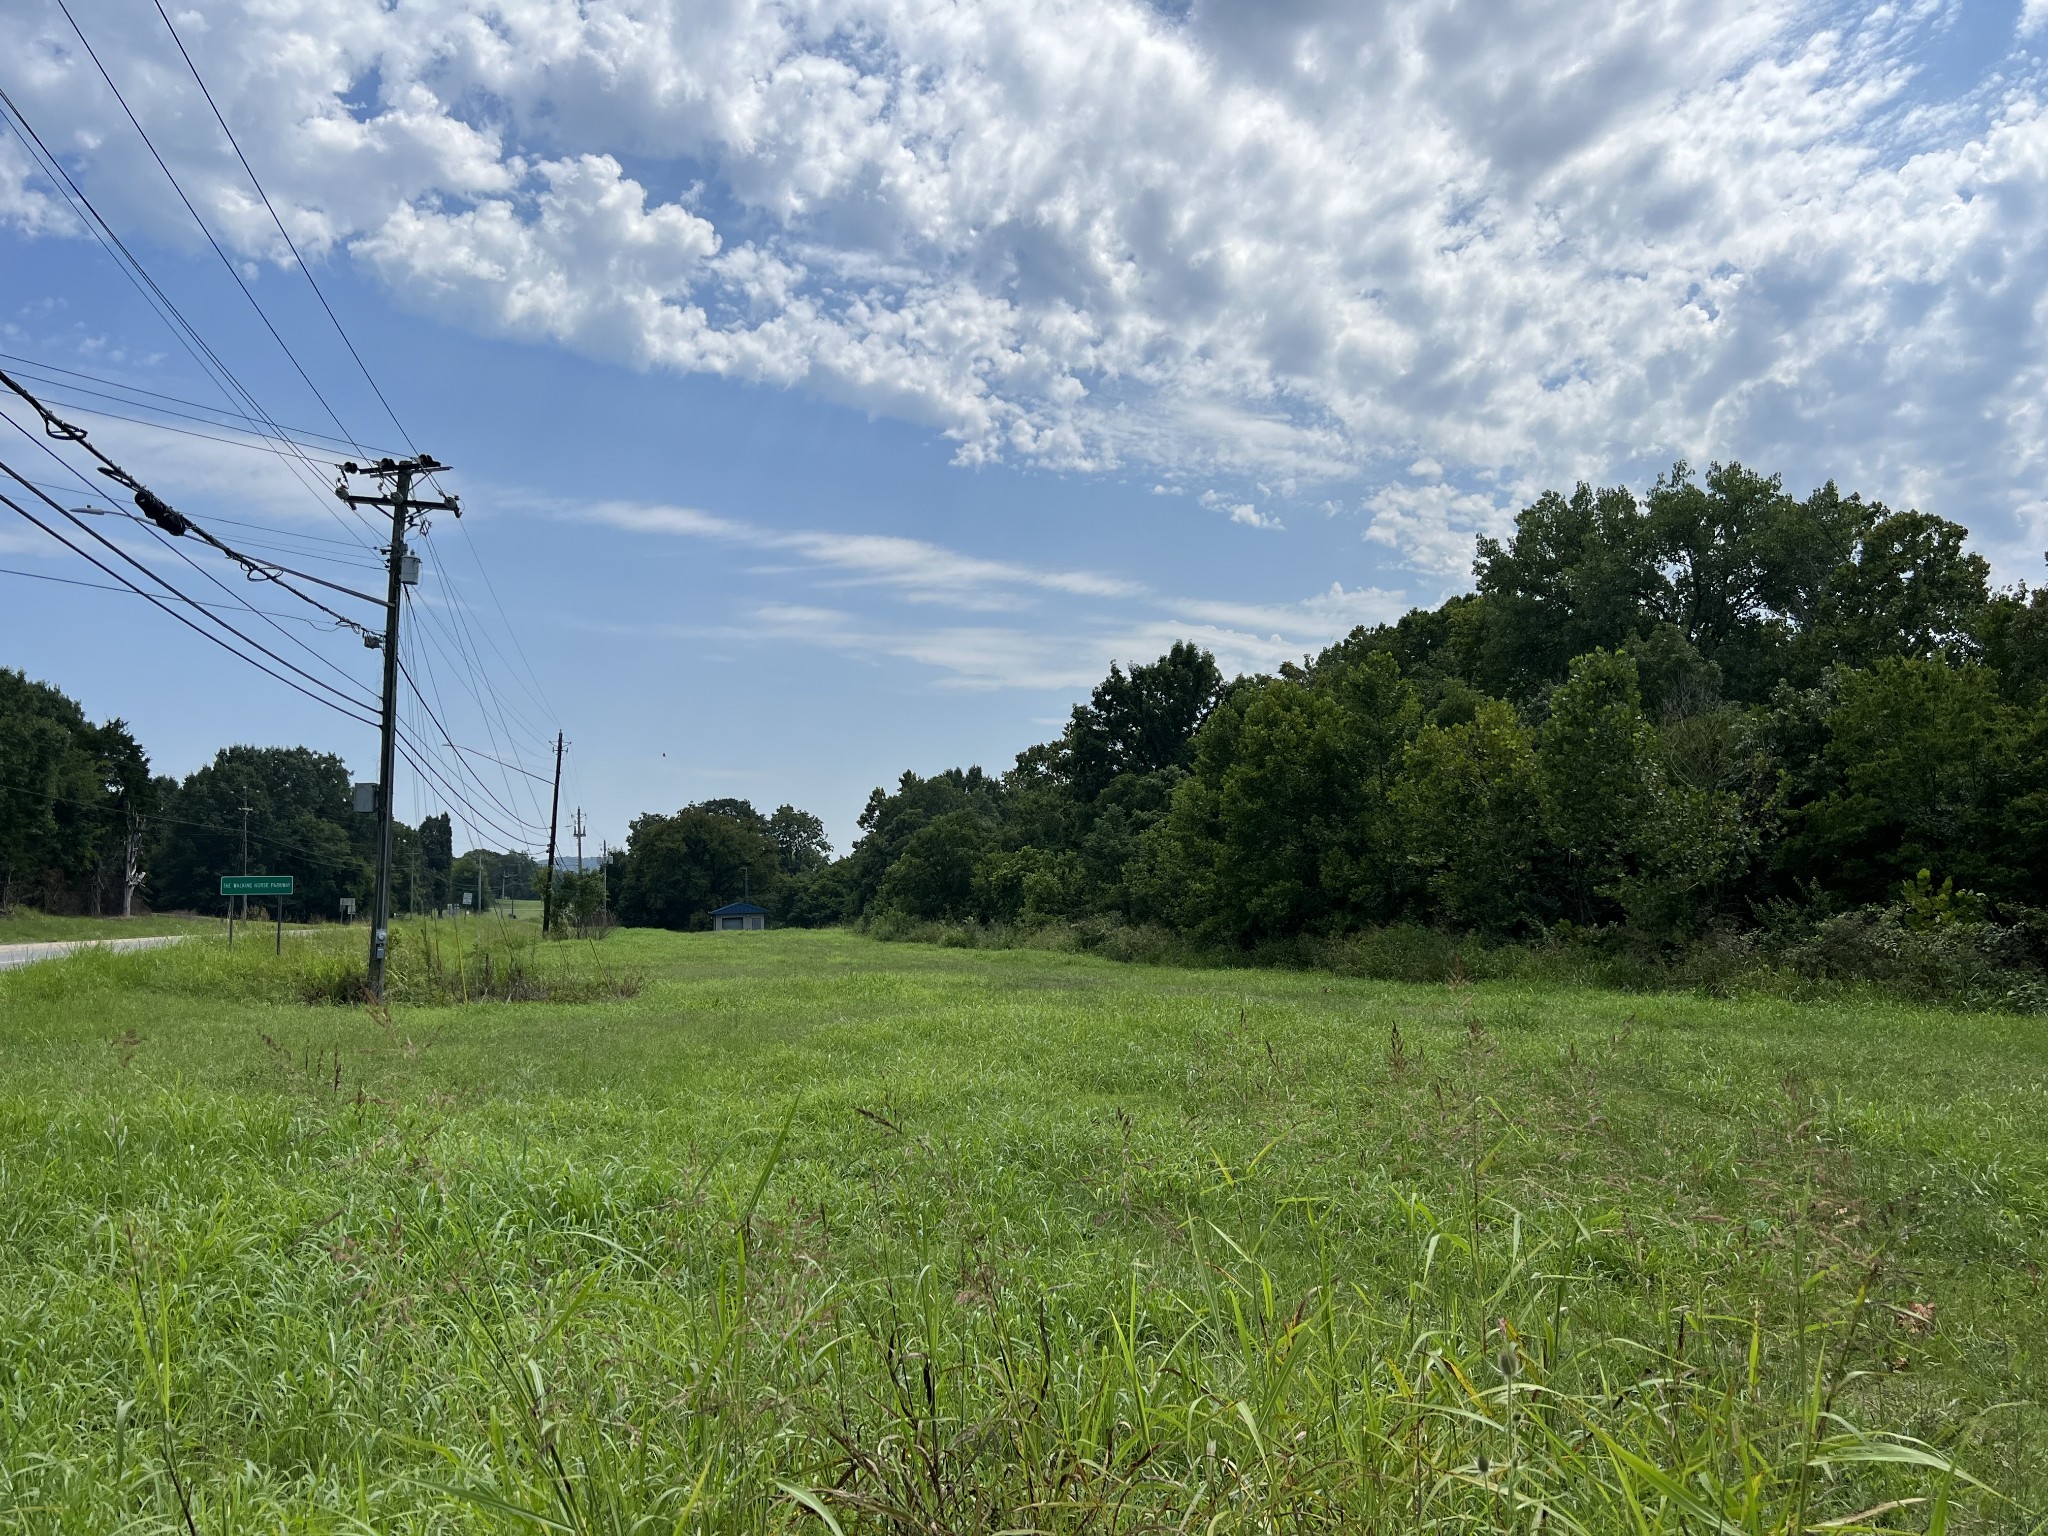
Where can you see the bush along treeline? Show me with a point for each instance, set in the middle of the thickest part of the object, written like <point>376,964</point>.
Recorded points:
<point>1713,728</point>
<point>85,827</point>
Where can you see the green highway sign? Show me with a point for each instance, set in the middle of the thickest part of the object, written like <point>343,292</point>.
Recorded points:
<point>256,885</point>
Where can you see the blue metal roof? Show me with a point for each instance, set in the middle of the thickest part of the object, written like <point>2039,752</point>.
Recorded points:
<point>739,909</point>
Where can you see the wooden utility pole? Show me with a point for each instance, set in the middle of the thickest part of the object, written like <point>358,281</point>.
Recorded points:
<point>403,571</point>
<point>547,897</point>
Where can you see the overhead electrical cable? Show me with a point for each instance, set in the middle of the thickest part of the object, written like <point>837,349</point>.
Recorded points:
<point>179,596</point>
<point>163,516</point>
<point>35,365</point>
<point>101,586</point>
<point>208,634</point>
<point>95,535</point>
<point>307,271</point>
<point>290,243</point>
<point>153,295</point>
<point>485,698</point>
<point>318,855</point>
<point>225,260</point>
<point>55,386</point>
<point>448,740</point>
<point>490,705</point>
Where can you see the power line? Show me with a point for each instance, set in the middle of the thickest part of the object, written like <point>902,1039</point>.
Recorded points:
<point>247,543</point>
<point>448,630</point>
<point>234,143</point>
<point>94,534</point>
<point>153,295</point>
<point>306,271</point>
<point>179,596</point>
<point>100,586</point>
<point>177,187</point>
<point>460,761</point>
<point>162,515</point>
<point>404,748</point>
<point>165,426</point>
<point>224,828</point>
<point>37,365</point>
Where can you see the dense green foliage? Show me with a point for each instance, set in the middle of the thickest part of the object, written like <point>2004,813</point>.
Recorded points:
<point>935,1241</point>
<point>81,819</point>
<point>676,869</point>
<point>1710,709</point>
<point>74,799</point>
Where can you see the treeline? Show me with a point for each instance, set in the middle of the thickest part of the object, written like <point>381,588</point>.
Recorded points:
<point>85,827</point>
<point>1714,707</point>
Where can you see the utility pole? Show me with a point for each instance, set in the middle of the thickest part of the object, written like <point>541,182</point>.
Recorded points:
<point>479,881</point>
<point>576,831</point>
<point>245,855</point>
<point>604,880</point>
<point>406,511</point>
<point>547,898</point>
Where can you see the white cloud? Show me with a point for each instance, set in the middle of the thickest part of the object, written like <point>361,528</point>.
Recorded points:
<point>1315,242</point>
<point>984,657</point>
<point>1432,527</point>
<point>1243,513</point>
<point>1098,618</point>
<point>920,571</point>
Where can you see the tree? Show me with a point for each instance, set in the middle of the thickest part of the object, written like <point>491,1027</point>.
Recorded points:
<point>679,867</point>
<point>889,821</point>
<point>1142,721</point>
<point>1910,588</point>
<point>932,875</point>
<point>437,861</point>
<point>301,823</point>
<point>800,842</point>
<point>1579,573</point>
<point>1596,758</point>
<point>1283,822</point>
<point>1711,539</point>
<point>1471,802</point>
<point>64,785</point>
<point>1919,763</point>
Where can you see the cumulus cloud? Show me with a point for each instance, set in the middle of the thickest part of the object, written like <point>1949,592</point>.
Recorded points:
<point>1432,526</point>
<point>1315,242</point>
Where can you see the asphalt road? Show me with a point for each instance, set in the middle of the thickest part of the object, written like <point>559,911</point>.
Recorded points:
<point>12,955</point>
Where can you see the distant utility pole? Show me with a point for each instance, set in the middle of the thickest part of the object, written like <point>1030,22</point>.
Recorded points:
<point>479,882</point>
<point>576,831</point>
<point>395,476</point>
<point>604,880</point>
<point>547,890</point>
<point>245,856</point>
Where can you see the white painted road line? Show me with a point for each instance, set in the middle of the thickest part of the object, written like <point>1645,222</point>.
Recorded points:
<point>12,955</point>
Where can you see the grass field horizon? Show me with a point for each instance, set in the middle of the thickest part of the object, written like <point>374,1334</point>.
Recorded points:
<point>800,1230</point>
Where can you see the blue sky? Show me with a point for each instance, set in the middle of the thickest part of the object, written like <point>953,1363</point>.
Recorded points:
<point>837,388</point>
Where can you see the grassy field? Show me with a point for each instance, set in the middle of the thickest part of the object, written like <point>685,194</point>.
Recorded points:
<point>23,926</point>
<point>815,1233</point>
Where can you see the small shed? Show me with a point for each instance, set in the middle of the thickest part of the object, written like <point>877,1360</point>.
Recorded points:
<point>739,916</point>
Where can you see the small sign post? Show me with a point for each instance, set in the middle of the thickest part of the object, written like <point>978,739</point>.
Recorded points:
<point>257,885</point>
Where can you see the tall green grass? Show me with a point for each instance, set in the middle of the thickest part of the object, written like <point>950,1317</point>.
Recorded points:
<point>821,1234</point>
